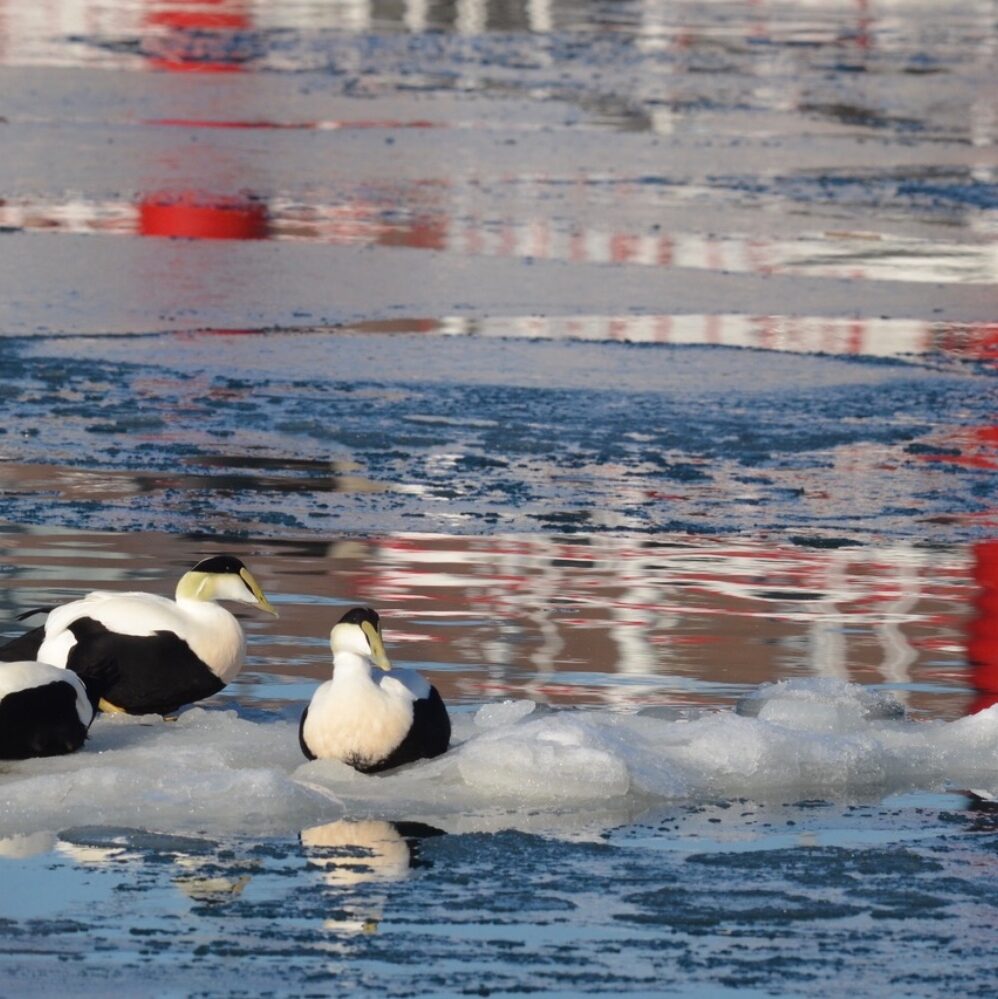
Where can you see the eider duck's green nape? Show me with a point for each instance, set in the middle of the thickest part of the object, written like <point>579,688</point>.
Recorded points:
<point>222,577</point>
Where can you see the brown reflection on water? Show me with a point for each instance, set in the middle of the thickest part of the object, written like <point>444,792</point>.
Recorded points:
<point>606,620</point>
<point>76,484</point>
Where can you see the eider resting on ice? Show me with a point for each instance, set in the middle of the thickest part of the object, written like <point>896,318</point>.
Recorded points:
<point>369,718</point>
<point>167,653</point>
<point>45,710</point>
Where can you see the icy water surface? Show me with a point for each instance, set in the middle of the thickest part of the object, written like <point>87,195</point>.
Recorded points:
<point>348,431</point>
<point>629,798</point>
<point>636,360</point>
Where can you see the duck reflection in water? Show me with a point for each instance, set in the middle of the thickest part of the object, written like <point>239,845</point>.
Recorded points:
<point>355,853</point>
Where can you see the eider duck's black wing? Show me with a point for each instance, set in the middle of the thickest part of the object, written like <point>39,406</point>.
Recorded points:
<point>309,755</point>
<point>157,673</point>
<point>429,735</point>
<point>40,721</point>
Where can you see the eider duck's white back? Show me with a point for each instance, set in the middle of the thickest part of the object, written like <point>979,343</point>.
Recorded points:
<point>366,717</point>
<point>45,710</point>
<point>167,653</point>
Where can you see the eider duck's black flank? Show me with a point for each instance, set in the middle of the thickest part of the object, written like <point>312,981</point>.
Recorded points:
<point>369,716</point>
<point>98,678</point>
<point>161,674</point>
<point>45,710</point>
<point>41,721</point>
<point>309,755</point>
<point>163,653</point>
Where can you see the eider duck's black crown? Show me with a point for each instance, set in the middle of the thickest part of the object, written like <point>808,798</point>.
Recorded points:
<point>219,564</point>
<point>358,615</point>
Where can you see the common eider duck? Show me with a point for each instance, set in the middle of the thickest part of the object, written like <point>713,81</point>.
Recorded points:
<point>167,653</point>
<point>45,710</point>
<point>365,716</point>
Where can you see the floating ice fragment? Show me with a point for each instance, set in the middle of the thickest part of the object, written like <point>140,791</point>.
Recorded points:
<point>819,704</point>
<point>26,845</point>
<point>208,770</point>
<point>503,713</point>
<point>552,759</point>
<point>214,772</point>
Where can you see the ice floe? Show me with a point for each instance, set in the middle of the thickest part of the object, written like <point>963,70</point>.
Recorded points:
<point>512,765</point>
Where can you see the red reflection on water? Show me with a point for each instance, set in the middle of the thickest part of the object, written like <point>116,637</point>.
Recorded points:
<point>297,125</point>
<point>977,342</point>
<point>190,215</point>
<point>197,36</point>
<point>969,447</point>
<point>982,637</point>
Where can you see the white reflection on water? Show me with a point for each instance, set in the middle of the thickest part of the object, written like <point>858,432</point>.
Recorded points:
<point>726,611</point>
<point>863,26</point>
<point>597,619</point>
<point>442,215</point>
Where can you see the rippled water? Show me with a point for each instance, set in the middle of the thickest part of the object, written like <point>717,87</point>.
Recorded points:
<point>173,845</point>
<point>358,433</point>
<point>626,357</point>
<point>581,619</point>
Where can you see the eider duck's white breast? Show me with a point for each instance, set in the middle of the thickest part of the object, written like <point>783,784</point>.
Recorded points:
<point>356,720</point>
<point>15,677</point>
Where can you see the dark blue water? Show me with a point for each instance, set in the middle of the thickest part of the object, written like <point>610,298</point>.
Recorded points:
<point>661,908</point>
<point>336,432</point>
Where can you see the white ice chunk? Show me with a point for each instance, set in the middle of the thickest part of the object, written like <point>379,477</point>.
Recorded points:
<point>216,773</point>
<point>556,758</point>
<point>503,713</point>
<point>27,845</point>
<point>208,770</point>
<point>819,704</point>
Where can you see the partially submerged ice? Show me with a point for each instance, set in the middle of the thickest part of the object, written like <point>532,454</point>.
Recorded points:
<point>819,702</point>
<point>511,765</point>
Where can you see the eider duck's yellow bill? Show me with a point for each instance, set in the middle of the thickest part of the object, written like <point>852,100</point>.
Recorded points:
<point>378,654</point>
<point>111,709</point>
<point>254,586</point>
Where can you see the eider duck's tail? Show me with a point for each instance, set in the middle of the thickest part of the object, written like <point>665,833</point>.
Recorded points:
<point>25,647</point>
<point>33,612</point>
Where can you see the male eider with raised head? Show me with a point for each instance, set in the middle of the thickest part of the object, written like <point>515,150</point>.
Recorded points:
<point>167,653</point>
<point>365,716</point>
<point>45,710</point>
